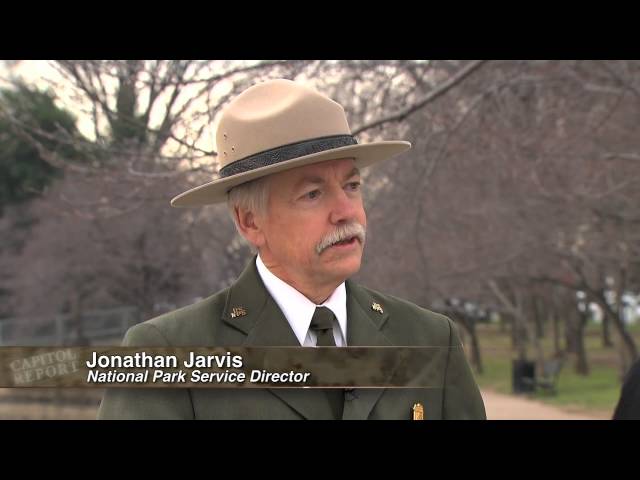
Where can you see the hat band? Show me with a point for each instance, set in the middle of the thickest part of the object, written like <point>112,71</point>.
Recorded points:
<point>287,152</point>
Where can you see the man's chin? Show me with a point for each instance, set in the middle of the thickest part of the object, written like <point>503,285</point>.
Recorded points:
<point>344,265</point>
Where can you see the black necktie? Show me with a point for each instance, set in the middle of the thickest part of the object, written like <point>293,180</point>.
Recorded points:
<point>322,325</point>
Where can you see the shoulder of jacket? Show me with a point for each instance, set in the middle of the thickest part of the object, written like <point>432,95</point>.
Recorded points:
<point>180,325</point>
<point>406,311</point>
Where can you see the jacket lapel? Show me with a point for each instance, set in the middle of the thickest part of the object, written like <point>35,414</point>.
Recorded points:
<point>264,324</point>
<point>363,330</point>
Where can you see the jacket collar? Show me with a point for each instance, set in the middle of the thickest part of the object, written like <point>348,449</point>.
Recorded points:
<point>264,324</point>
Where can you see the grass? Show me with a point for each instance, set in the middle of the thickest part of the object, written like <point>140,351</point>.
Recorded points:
<point>597,392</point>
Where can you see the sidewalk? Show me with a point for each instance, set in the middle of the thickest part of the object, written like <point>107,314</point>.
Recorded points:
<point>510,407</point>
<point>498,406</point>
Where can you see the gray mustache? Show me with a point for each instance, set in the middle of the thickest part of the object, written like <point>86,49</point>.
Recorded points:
<point>341,233</point>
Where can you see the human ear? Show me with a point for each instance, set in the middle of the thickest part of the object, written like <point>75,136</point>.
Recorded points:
<point>249,226</point>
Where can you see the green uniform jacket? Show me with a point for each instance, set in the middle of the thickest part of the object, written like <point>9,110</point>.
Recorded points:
<point>209,323</point>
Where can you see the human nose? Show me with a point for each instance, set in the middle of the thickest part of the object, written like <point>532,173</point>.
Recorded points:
<point>344,208</point>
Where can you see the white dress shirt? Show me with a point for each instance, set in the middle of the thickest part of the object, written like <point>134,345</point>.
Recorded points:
<point>299,310</point>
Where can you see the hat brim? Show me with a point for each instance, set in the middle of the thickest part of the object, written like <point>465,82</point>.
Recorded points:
<point>363,155</point>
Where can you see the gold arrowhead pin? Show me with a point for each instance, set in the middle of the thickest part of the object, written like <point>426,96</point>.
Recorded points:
<point>418,411</point>
<point>376,307</point>
<point>238,312</point>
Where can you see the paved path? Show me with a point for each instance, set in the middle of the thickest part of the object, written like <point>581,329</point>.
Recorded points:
<point>511,407</point>
<point>498,406</point>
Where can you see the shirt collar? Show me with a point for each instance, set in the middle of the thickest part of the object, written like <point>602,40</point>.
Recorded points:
<point>297,308</point>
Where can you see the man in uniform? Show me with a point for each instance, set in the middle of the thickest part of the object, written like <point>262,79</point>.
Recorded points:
<point>290,173</point>
<point>628,407</point>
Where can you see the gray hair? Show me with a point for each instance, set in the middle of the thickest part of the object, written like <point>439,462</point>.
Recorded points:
<point>342,232</point>
<point>252,196</point>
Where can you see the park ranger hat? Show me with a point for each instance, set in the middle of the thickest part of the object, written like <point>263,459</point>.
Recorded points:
<point>278,125</point>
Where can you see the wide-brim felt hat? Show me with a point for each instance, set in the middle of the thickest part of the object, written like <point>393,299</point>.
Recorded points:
<point>278,125</point>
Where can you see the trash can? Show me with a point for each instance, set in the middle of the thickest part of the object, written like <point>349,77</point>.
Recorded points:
<point>524,376</point>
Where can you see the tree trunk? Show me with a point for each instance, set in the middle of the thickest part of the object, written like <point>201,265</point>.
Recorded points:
<point>538,317</point>
<point>76,319</point>
<point>569,332</point>
<point>518,342</point>
<point>520,336</point>
<point>615,317</point>
<point>556,333</point>
<point>503,323</point>
<point>532,331</point>
<point>515,332</point>
<point>606,332</point>
<point>582,365</point>
<point>475,348</point>
<point>469,328</point>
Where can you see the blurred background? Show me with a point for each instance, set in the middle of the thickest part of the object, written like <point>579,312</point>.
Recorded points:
<point>515,213</point>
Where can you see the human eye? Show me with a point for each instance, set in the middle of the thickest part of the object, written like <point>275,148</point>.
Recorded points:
<point>353,186</point>
<point>312,195</point>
